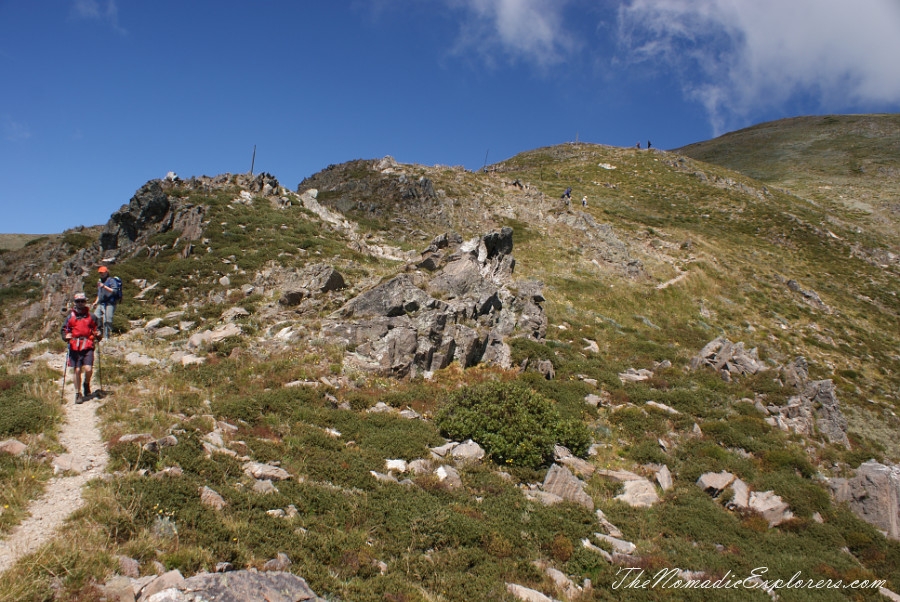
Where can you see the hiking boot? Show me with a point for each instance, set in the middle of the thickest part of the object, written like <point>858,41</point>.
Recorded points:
<point>87,392</point>
<point>79,398</point>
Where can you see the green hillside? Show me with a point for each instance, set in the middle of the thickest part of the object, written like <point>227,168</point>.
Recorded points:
<point>848,163</point>
<point>669,254</point>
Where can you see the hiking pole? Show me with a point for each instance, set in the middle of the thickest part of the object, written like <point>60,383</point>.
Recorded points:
<point>62,393</point>
<point>99,373</point>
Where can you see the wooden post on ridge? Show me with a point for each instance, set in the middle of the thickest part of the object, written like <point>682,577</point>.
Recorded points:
<point>253,160</point>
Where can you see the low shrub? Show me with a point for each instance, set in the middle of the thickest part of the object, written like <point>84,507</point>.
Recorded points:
<point>513,423</point>
<point>21,412</point>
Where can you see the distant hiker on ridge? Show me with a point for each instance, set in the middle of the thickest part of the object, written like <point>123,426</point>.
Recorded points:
<point>567,194</point>
<point>584,201</point>
<point>80,330</point>
<point>648,145</point>
<point>109,293</point>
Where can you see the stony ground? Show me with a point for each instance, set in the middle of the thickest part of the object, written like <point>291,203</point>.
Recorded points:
<point>86,459</point>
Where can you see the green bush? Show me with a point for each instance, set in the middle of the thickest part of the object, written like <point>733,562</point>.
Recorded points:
<point>20,412</point>
<point>513,423</point>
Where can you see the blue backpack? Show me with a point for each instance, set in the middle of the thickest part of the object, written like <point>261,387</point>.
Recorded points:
<point>117,289</point>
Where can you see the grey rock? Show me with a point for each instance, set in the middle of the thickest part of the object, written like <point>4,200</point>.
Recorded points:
<point>560,481</point>
<point>619,545</point>
<point>664,478</point>
<point>741,498</point>
<point>249,586</point>
<point>771,506</point>
<point>448,476</point>
<point>129,567</point>
<point>219,333</point>
<point>638,493</point>
<point>728,358</point>
<point>281,562</point>
<point>155,446</point>
<point>209,497</point>
<point>13,447</point>
<point>873,494</point>
<point>264,486</point>
<point>715,483</point>
<point>527,594</point>
<point>268,472</point>
<point>171,579</point>
<point>468,451</point>
<point>118,589</point>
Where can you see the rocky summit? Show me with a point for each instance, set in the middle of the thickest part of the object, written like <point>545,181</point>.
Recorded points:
<point>407,382</point>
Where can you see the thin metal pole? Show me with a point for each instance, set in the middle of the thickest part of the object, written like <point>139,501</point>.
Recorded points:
<point>62,394</point>
<point>253,161</point>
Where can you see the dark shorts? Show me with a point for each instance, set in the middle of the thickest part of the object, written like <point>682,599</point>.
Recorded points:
<point>79,359</point>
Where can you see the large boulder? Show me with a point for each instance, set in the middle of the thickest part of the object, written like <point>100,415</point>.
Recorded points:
<point>873,494</point>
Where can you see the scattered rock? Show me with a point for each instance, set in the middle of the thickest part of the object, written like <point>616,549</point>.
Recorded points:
<point>468,451</point>
<point>219,333</point>
<point>619,545</point>
<point>155,446</point>
<point>528,595</point>
<point>632,376</point>
<point>265,472</point>
<point>561,482</point>
<point>209,497</point>
<point>771,506</point>
<point>264,486</point>
<point>449,477</point>
<point>281,562</point>
<point>664,478</point>
<point>714,483</point>
<point>638,493</point>
<point>13,447</point>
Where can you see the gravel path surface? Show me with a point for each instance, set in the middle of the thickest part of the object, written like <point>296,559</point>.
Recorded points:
<point>86,460</point>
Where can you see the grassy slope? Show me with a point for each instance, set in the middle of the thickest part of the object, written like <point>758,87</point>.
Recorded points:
<point>737,246</point>
<point>849,163</point>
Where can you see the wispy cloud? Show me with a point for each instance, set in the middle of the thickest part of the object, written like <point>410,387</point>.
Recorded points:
<point>14,131</point>
<point>514,30</point>
<point>737,58</point>
<point>107,12</point>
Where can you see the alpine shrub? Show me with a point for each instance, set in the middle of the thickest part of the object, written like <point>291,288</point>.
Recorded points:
<point>512,422</point>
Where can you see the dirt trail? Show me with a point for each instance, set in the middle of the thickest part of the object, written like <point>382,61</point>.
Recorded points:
<point>86,459</point>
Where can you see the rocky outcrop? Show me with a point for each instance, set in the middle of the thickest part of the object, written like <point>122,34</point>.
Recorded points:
<point>816,408</point>
<point>465,312</point>
<point>158,207</point>
<point>873,494</point>
<point>728,359</point>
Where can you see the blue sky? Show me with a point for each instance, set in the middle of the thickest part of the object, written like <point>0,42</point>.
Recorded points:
<point>99,96</point>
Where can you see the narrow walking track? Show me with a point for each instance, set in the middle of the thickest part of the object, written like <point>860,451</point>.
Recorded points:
<point>86,460</point>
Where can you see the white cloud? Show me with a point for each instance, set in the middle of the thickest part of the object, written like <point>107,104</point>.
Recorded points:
<point>738,57</point>
<point>528,30</point>
<point>107,11</point>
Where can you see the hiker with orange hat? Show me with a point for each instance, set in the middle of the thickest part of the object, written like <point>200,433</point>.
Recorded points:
<point>80,331</point>
<point>109,293</point>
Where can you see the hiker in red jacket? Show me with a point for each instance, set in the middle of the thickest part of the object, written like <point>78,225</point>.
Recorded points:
<point>80,330</point>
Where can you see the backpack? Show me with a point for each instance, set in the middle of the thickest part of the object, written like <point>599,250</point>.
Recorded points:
<point>117,293</point>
